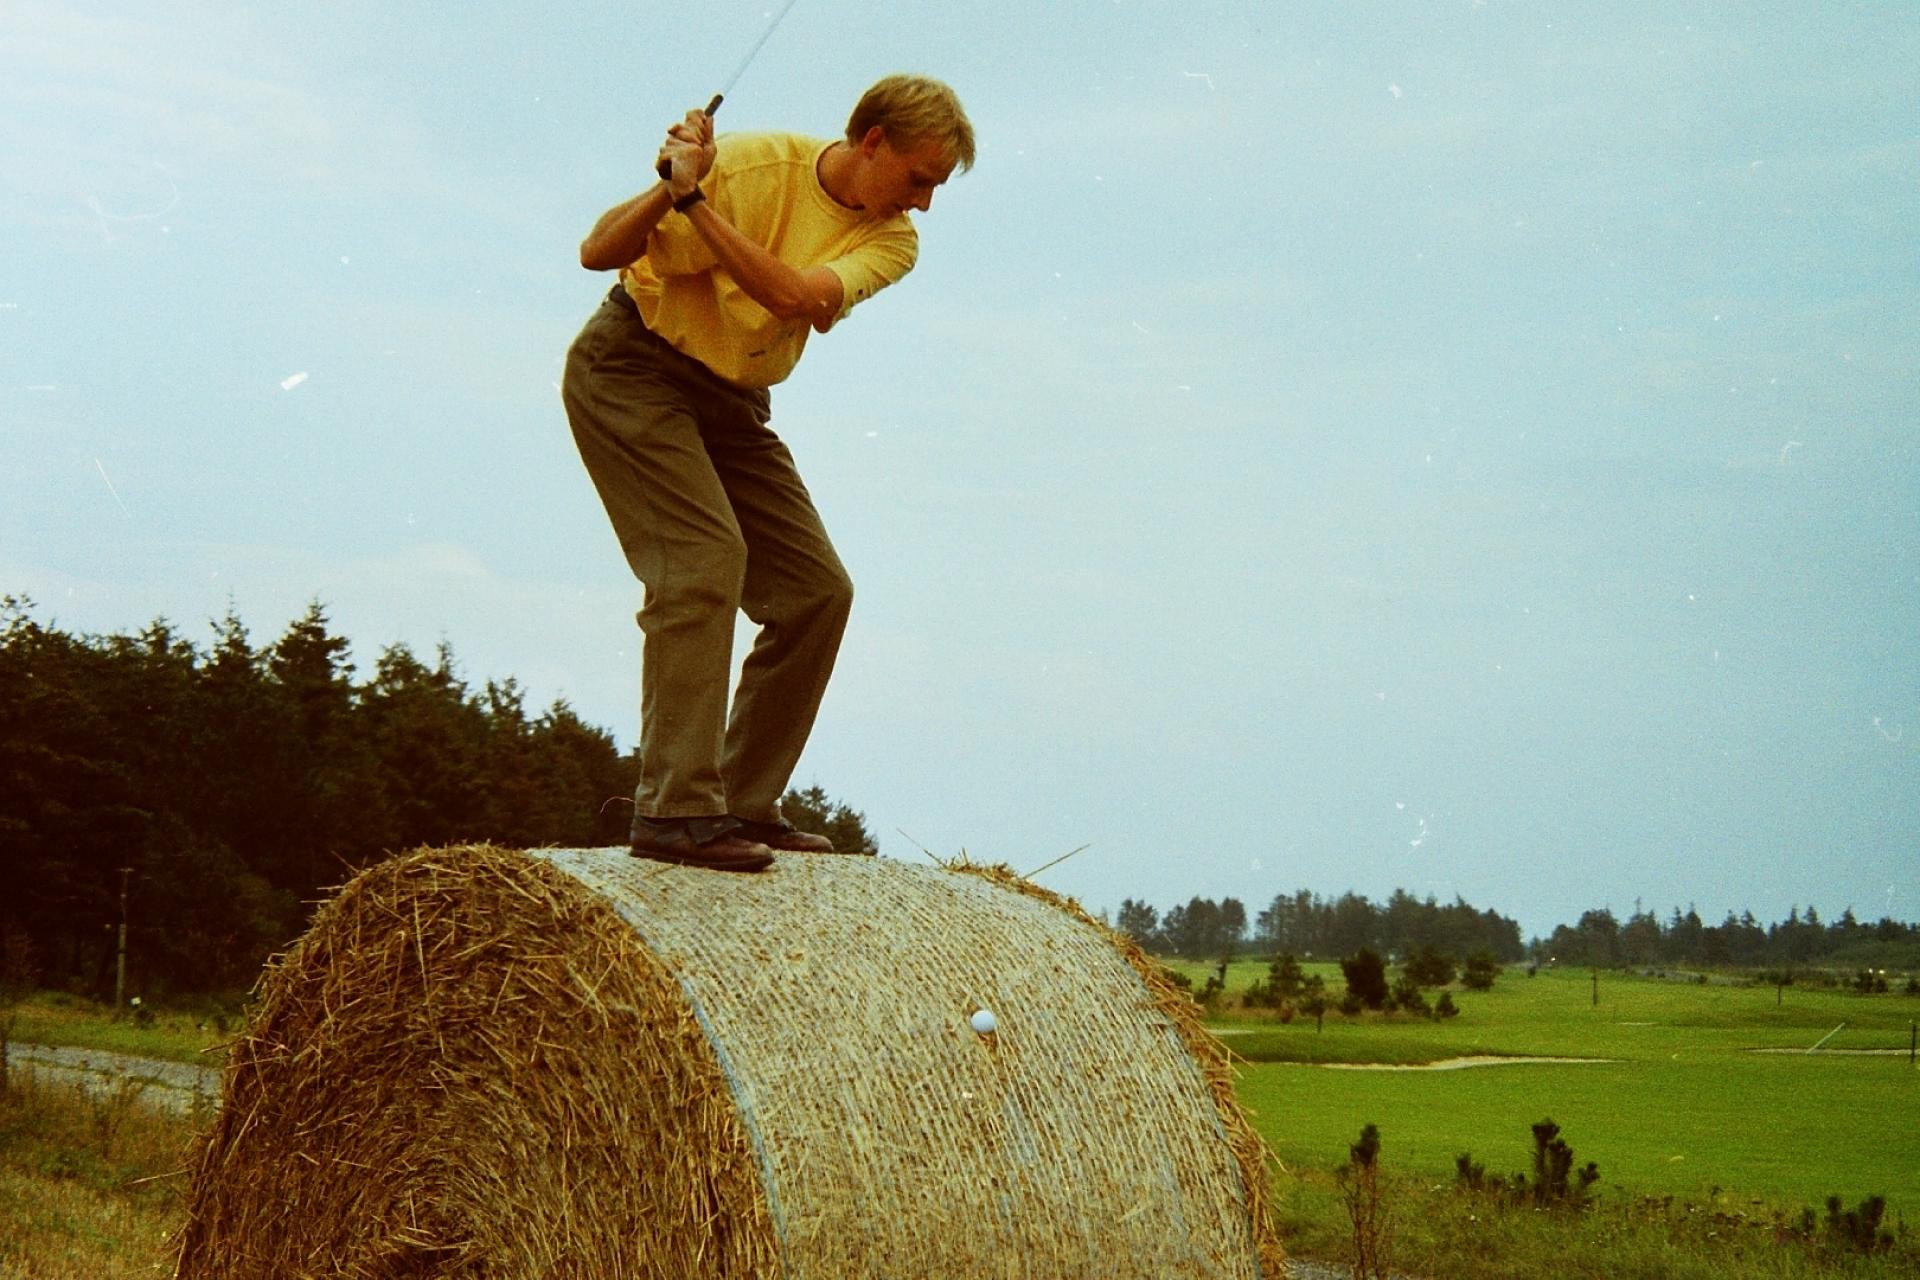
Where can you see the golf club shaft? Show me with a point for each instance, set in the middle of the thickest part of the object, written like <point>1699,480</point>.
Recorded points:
<point>664,169</point>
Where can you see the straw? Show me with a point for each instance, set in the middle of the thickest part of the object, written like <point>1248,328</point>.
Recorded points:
<point>569,1063</point>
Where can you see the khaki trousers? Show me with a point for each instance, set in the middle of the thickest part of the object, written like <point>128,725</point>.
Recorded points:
<point>713,519</point>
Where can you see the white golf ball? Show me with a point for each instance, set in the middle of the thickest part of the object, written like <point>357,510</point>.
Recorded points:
<point>983,1021</point>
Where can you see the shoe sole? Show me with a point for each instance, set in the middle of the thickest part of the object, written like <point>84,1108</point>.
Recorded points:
<point>706,862</point>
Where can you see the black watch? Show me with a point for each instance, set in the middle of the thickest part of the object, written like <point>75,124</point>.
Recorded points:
<point>689,200</point>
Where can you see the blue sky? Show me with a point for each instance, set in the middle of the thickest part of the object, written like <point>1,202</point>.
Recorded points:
<point>1462,446</point>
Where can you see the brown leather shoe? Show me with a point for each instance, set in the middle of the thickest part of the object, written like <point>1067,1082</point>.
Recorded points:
<point>787,838</point>
<point>724,846</point>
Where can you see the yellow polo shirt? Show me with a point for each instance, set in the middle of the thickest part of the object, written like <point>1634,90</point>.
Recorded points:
<point>768,186</point>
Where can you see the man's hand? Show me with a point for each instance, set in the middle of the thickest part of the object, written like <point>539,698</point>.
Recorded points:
<point>620,237</point>
<point>688,152</point>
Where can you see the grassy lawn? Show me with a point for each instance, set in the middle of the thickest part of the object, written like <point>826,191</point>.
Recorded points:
<point>175,1035</point>
<point>1788,1131</point>
<point>1682,1107</point>
<point>1707,1151</point>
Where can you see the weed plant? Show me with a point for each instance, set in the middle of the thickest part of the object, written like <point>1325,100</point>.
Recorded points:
<point>91,1184</point>
<point>1369,1219</point>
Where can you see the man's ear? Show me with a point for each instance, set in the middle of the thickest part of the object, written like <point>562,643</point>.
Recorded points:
<point>871,140</point>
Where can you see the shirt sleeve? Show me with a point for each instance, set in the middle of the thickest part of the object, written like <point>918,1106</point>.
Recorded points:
<point>874,264</point>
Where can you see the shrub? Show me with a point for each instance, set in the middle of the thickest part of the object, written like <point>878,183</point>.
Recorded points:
<point>1366,976</point>
<point>1406,995</point>
<point>1858,1229</point>
<point>1216,986</point>
<point>1444,1007</point>
<point>1480,971</point>
<point>1870,982</point>
<point>1430,968</point>
<point>1285,980</point>
<point>1315,1004</point>
<point>1555,1183</point>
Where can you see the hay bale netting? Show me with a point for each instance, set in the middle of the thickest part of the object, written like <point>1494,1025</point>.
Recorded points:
<point>570,1063</point>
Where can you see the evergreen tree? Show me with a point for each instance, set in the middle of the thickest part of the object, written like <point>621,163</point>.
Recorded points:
<point>1480,972</point>
<point>812,810</point>
<point>1366,976</point>
<point>430,740</point>
<point>1428,967</point>
<point>325,818</point>
<point>1140,922</point>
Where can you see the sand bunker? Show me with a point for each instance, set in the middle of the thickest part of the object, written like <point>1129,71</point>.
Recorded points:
<point>1453,1064</point>
<point>1839,1053</point>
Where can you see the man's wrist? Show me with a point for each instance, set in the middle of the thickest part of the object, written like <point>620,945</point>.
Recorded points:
<point>682,203</point>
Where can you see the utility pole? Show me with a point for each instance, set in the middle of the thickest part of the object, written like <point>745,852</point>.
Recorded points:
<point>120,963</point>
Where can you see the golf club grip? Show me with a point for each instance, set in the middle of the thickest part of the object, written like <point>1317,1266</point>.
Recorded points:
<point>664,169</point>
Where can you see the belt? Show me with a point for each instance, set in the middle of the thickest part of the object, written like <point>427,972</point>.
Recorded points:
<point>756,396</point>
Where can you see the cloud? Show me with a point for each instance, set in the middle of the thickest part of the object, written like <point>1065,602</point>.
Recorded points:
<point>142,86</point>
<point>90,106</point>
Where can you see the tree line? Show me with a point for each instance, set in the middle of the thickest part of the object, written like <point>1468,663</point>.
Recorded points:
<point>1802,940</point>
<point>1306,924</point>
<point>225,789</point>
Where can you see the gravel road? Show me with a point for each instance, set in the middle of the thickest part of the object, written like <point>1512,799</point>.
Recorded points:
<point>172,1085</point>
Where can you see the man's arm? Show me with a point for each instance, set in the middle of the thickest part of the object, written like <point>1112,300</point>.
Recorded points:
<point>620,237</point>
<point>813,295</point>
<point>788,293</point>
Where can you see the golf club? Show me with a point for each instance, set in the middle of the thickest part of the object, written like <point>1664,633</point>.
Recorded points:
<point>664,169</point>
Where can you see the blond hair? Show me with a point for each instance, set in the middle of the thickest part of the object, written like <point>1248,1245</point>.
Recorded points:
<point>911,110</point>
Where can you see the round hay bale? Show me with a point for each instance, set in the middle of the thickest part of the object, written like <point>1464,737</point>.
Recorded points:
<point>571,1063</point>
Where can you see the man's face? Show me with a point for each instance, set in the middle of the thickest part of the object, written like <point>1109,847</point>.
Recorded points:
<point>896,179</point>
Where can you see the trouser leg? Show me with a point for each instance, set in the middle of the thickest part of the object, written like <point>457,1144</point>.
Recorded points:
<point>638,427</point>
<point>797,591</point>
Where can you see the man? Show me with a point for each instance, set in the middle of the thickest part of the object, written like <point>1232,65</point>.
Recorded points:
<point>725,266</point>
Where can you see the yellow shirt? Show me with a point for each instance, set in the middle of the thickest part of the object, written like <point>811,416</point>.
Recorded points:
<point>768,186</point>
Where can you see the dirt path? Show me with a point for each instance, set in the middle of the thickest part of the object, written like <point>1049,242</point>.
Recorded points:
<point>172,1085</point>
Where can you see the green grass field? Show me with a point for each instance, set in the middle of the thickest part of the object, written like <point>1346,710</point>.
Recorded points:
<point>174,1035</point>
<point>1682,1108</point>
<point>1741,1141</point>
